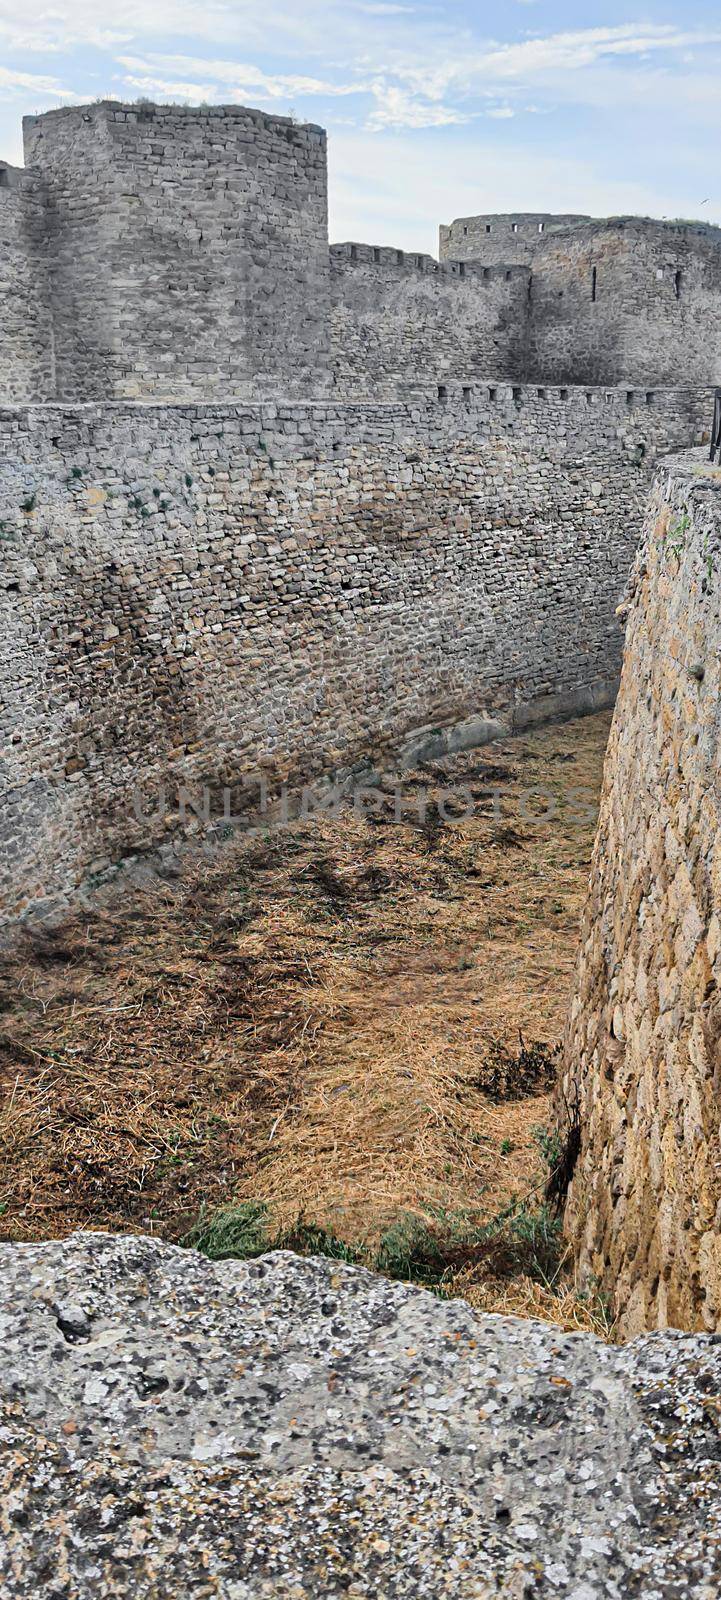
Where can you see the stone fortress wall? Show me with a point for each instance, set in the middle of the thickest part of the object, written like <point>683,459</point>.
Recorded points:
<point>187,251</point>
<point>500,237</point>
<point>181,254</point>
<point>644,1047</point>
<point>26,337</point>
<point>270,508</point>
<point>264,502</point>
<point>609,299</point>
<point>191,595</point>
<point>401,322</point>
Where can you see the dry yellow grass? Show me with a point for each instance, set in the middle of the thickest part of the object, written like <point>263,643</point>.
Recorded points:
<point>523,1297</point>
<point>316,1019</point>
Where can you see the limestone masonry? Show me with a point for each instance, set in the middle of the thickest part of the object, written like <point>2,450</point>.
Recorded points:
<point>181,253</point>
<point>185,251</point>
<point>609,298</point>
<point>269,506</point>
<point>194,595</point>
<point>644,1049</point>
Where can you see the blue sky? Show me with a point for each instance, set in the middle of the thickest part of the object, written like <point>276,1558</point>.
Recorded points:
<point>433,110</point>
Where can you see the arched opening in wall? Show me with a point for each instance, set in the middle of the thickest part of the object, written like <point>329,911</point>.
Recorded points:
<point>594,283</point>
<point>678,279</point>
<point>489,228</point>
<point>376,255</point>
<point>4,178</point>
<point>541,227</point>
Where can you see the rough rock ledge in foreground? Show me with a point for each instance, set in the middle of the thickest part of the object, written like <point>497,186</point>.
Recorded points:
<point>293,1428</point>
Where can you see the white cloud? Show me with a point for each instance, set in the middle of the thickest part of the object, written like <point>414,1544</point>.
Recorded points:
<point>396,108</point>
<point>558,59</point>
<point>415,47</point>
<point>193,77</point>
<point>395,69</point>
<point>238,75</point>
<point>10,79</point>
<point>574,50</point>
<point>315,27</point>
<point>168,89</point>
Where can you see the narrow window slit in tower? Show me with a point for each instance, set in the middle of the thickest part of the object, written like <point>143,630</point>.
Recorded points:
<point>594,283</point>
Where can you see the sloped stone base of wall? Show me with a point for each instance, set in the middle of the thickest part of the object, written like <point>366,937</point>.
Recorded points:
<point>195,597</point>
<point>643,1070</point>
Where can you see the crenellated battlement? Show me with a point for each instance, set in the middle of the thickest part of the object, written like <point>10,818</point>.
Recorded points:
<point>367,255</point>
<point>496,231</point>
<point>522,234</point>
<point>177,252</point>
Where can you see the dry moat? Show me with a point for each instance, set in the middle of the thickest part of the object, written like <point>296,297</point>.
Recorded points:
<point>350,1025</point>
